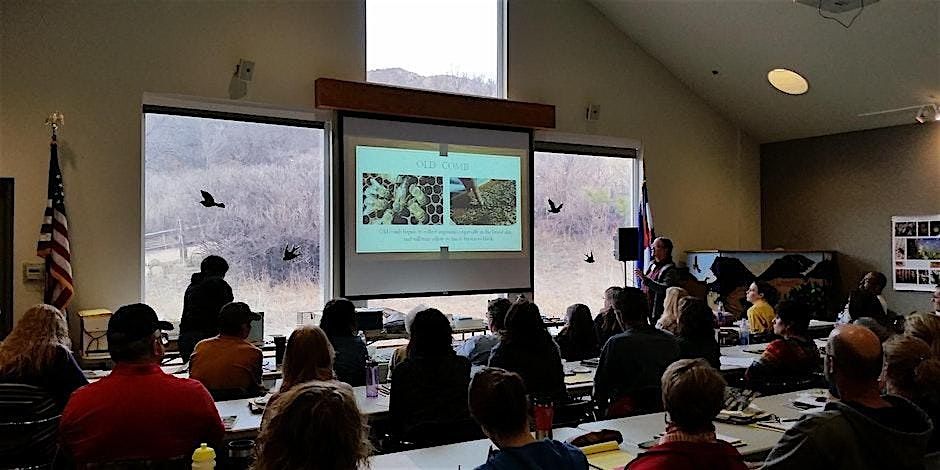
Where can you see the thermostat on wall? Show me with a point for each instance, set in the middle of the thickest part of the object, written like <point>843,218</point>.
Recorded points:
<point>33,271</point>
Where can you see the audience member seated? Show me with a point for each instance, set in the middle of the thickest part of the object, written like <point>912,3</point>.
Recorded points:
<point>793,358</point>
<point>401,352</point>
<point>498,403</point>
<point>339,324</point>
<point>204,298</point>
<point>863,303</point>
<point>696,332</point>
<point>882,332</point>
<point>607,323</point>
<point>317,426</point>
<point>760,316</point>
<point>138,411</point>
<point>427,403</point>
<point>477,348</point>
<point>577,340</point>
<point>912,372</point>
<point>528,350</point>
<point>308,356</point>
<point>38,352</point>
<point>669,321</point>
<point>925,327</point>
<point>632,363</point>
<point>862,429</point>
<point>693,394</point>
<point>228,365</point>
<point>872,283</point>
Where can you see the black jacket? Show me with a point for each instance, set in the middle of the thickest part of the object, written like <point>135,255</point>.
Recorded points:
<point>204,297</point>
<point>539,365</point>
<point>633,362</point>
<point>429,393</point>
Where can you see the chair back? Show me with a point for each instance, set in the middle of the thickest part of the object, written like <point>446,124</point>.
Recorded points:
<point>29,422</point>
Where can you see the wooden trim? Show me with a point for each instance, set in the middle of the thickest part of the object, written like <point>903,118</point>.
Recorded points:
<point>372,98</point>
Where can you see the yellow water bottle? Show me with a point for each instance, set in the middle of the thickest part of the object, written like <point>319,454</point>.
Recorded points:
<point>204,458</point>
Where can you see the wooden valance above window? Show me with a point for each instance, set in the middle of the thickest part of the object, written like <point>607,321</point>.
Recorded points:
<point>371,98</point>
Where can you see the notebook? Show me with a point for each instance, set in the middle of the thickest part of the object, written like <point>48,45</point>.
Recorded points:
<point>606,456</point>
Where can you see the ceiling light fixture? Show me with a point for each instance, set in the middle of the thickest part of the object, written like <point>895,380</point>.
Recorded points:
<point>788,81</point>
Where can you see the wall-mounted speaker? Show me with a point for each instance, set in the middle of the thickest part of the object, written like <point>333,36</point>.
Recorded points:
<point>627,244</point>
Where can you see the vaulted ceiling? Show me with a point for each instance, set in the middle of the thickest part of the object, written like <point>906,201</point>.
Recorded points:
<point>889,58</point>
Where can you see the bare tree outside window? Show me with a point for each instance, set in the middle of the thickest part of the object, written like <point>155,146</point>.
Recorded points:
<point>269,178</point>
<point>597,197</point>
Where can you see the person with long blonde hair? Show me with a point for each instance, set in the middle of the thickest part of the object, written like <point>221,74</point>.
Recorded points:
<point>308,356</point>
<point>926,327</point>
<point>913,372</point>
<point>314,425</point>
<point>38,352</point>
<point>669,321</point>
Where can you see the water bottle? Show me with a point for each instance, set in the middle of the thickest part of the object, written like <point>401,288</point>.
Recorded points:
<point>544,414</point>
<point>744,333</point>
<point>204,458</point>
<point>372,379</point>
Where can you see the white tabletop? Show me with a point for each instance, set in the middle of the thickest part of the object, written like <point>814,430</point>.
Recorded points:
<point>247,423</point>
<point>463,455</point>
<point>758,441</point>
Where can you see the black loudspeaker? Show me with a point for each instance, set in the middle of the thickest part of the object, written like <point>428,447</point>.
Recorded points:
<point>627,243</point>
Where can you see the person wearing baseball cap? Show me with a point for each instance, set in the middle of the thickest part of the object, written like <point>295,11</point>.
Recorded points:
<point>228,365</point>
<point>138,411</point>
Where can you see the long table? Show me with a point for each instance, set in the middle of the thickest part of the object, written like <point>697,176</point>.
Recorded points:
<point>463,455</point>
<point>635,430</point>
<point>757,441</point>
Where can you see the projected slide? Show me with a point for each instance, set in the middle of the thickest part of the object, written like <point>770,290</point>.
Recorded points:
<point>418,201</point>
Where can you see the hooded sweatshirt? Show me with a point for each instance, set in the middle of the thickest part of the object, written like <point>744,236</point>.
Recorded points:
<point>540,455</point>
<point>843,437</point>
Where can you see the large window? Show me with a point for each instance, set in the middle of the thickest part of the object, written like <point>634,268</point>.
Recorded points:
<point>596,196</point>
<point>269,175</point>
<point>445,45</point>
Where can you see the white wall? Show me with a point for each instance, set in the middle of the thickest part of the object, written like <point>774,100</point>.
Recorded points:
<point>94,60</point>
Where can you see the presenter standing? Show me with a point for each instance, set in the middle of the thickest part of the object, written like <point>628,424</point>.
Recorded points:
<point>661,275</point>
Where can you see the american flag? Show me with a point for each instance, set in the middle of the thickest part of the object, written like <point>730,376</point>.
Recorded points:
<point>645,223</point>
<point>54,238</point>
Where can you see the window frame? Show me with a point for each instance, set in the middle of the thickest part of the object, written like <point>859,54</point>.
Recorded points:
<point>502,62</point>
<point>178,105</point>
<point>594,146</point>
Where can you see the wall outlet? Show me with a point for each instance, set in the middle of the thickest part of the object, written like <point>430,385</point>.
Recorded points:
<point>593,112</point>
<point>246,69</point>
<point>34,271</point>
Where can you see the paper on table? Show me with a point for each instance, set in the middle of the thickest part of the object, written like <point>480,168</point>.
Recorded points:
<point>730,440</point>
<point>577,379</point>
<point>737,361</point>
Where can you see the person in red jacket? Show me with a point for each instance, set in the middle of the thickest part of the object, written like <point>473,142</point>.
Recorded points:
<point>138,412</point>
<point>693,394</point>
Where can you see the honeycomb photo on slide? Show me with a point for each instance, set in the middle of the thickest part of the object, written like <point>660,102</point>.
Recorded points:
<point>402,199</point>
<point>476,201</point>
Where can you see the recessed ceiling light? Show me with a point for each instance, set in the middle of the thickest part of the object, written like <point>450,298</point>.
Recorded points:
<point>788,81</point>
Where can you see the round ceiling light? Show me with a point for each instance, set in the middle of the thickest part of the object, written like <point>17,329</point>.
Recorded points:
<point>788,81</point>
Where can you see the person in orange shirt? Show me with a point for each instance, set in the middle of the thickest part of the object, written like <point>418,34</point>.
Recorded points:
<point>228,365</point>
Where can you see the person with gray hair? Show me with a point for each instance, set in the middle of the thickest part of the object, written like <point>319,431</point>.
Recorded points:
<point>863,429</point>
<point>693,394</point>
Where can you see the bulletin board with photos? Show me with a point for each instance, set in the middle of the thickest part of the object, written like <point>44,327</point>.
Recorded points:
<point>916,241</point>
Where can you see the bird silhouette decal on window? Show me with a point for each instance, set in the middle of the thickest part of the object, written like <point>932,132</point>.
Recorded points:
<point>291,253</point>
<point>589,258</point>
<point>209,201</point>
<point>552,208</point>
